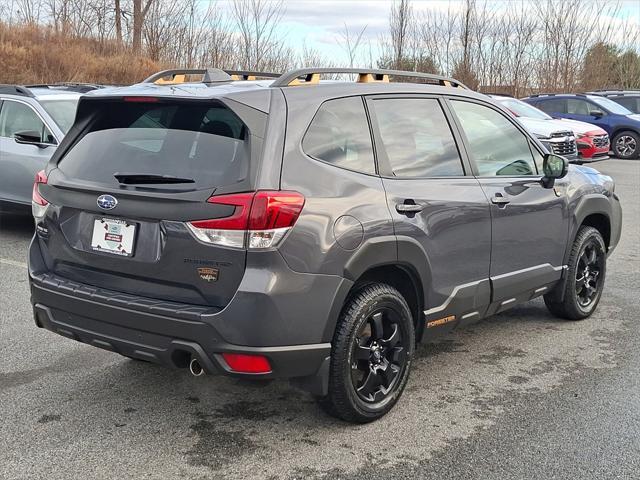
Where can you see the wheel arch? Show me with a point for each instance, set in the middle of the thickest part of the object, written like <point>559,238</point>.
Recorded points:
<point>397,261</point>
<point>593,210</point>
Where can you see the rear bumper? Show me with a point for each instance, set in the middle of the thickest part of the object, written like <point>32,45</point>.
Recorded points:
<point>287,361</point>
<point>291,322</point>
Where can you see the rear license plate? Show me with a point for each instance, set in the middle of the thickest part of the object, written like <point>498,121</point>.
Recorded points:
<point>112,235</point>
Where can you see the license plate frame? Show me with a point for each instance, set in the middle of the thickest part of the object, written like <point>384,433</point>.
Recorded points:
<point>113,236</point>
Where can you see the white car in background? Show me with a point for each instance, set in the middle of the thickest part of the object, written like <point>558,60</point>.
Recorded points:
<point>577,141</point>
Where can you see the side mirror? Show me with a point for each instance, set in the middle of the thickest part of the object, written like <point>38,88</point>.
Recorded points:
<point>29,137</point>
<point>596,113</point>
<point>553,167</point>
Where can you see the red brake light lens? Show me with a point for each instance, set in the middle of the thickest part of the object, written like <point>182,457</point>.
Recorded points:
<point>259,220</point>
<point>275,210</point>
<point>242,363</point>
<point>41,179</point>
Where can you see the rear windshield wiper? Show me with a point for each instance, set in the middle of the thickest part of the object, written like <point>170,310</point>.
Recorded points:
<point>149,178</point>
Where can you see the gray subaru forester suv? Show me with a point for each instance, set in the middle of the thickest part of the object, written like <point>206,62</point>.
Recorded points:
<point>315,230</point>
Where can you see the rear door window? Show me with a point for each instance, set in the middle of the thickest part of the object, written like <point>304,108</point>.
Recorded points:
<point>576,106</point>
<point>416,138</point>
<point>205,142</point>
<point>557,105</point>
<point>339,135</point>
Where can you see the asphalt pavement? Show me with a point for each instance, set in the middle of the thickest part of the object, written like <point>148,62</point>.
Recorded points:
<point>521,395</point>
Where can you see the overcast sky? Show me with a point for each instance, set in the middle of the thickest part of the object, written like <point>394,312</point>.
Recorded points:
<point>320,23</point>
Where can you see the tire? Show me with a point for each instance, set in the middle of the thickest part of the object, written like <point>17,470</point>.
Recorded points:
<point>586,275</point>
<point>626,145</point>
<point>371,354</point>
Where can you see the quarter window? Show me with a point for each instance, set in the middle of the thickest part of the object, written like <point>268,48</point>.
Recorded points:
<point>416,137</point>
<point>17,117</point>
<point>496,145</point>
<point>339,134</point>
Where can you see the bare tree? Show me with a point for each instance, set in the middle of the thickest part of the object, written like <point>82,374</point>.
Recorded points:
<point>139,13</point>
<point>118,21</point>
<point>257,22</point>
<point>351,43</point>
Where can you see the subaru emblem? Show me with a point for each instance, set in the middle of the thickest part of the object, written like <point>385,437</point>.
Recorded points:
<point>107,202</point>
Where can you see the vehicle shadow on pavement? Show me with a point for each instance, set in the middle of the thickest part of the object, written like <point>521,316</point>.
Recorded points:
<point>18,224</point>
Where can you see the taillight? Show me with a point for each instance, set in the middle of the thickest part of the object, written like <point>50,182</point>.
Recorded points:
<point>41,179</point>
<point>259,220</point>
<point>243,363</point>
<point>39,204</point>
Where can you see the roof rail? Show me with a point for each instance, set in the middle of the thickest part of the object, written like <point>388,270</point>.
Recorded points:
<point>16,90</point>
<point>309,76</point>
<point>209,75</point>
<point>497,94</point>
<point>71,86</point>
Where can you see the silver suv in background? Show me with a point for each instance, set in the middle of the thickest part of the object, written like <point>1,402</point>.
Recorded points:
<point>33,121</point>
<point>555,135</point>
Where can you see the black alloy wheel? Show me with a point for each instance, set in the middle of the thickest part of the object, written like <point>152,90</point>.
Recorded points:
<point>378,356</point>
<point>577,295</point>
<point>590,264</point>
<point>371,354</point>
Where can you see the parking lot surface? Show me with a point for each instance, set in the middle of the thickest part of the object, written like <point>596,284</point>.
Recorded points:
<point>521,395</point>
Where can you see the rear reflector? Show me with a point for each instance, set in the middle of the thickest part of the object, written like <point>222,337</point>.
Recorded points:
<point>259,219</point>
<point>241,363</point>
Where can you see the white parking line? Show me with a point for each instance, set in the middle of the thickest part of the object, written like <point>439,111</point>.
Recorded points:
<point>6,261</point>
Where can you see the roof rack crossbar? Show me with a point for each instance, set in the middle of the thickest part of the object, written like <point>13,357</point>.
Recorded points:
<point>209,75</point>
<point>294,77</point>
<point>250,74</point>
<point>16,90</point>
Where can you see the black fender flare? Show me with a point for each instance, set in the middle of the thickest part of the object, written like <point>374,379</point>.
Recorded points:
<point>589,204</point>
<point>402,251</point>
<point>391,250</point>
<point>593,203</point>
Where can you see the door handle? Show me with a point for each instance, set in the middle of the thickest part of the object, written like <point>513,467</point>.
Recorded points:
<point>408,208</point>
<point>499,199</point>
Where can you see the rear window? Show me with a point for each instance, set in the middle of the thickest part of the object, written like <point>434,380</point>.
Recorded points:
<point>205,142</point>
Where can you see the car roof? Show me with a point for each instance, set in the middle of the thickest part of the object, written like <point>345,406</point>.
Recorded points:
<point>42,93</point>
<point>256,93</point>
<point>245,86</point>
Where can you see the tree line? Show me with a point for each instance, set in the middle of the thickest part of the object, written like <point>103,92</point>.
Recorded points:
<point>513,47</point>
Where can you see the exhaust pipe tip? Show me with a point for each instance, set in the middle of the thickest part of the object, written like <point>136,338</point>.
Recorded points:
<point>195,368</point>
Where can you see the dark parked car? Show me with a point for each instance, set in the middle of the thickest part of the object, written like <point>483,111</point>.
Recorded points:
<point>629,99</point>
<point>303,229</point>
<point>622,125</point>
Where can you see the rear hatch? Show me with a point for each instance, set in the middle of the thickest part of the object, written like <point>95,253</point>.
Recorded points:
<point>125,188</point>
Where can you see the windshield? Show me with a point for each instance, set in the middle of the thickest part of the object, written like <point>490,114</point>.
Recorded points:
<point>63,112</point>
<point>522,109</point>
<point>610,105</point>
